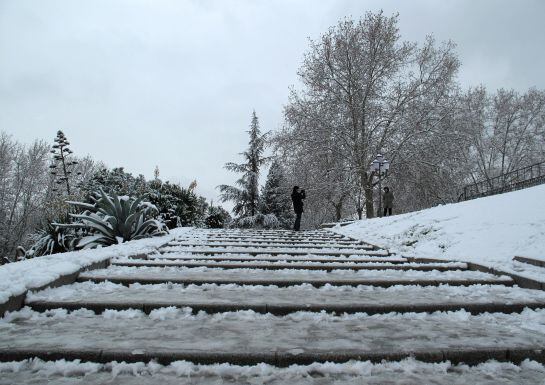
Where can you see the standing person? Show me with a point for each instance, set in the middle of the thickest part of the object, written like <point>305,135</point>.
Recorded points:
<point>388,201</point>
<point>297,197</point>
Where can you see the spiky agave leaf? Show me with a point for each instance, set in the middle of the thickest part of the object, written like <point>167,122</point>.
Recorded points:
<point>114,219</point>
<point>52,239</point>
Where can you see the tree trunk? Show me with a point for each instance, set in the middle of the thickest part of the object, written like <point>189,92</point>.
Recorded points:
<point>338,211</point>
<point>368,190</point>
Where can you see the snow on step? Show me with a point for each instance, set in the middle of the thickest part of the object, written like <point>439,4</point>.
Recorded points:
<point>408,371</point>
<point>271,238</point>
<point>270,250</point>
<point>536,273</point>
<point>148,274</point>
<point>278,257</point>
<point>287,245</point>
<point>270,242</point>
<point>536,261</point>
<point>272,233</point>
<point>172,334</point>
<point>275,232</point>
<point>311,265</point>
<point>368,299</point>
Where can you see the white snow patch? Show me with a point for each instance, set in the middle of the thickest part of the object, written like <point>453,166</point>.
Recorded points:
<point>490,230</point>
<point>18,277</point>
<point>264,373</point>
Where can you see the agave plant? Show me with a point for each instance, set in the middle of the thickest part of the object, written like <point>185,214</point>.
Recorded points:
<point>50,240</point>
<point>116,219</point>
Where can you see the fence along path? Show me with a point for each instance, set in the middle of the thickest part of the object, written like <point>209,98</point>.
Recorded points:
<point>522,178</point>
<point>281,298</point>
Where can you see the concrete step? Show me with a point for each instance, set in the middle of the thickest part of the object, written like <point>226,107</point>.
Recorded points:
<point>292,282</point>
<point>274,232</point>
<point>324,237</point>
<point>392,373</point>
<point>273,239</point>
<point>247,338</point>
<point>172,258</point>
<point>290,245</point>
<point>198,276</point>
<point>531,261</point>
<point>309,238</point>
<point>270,251</point>
<point>293,265</point>
<point>264,231</point>
<point>281,301</point>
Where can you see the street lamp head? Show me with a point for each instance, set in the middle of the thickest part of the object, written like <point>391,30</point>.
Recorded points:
<point>375,165</point>
<point>380,158</point>
<point>386,165</point>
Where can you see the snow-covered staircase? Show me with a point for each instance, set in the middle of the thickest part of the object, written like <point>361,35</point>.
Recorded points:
<point>280,297</point>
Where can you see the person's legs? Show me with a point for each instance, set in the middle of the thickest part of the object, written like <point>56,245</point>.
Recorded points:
<point>389,211</point>
<point>297,224</point>
<point>385,212</point>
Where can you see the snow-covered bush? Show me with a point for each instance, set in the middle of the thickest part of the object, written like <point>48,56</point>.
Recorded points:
<point>258,221</point>
<point>115,219</point>
<point>276,198</point>
<point>217,218</point>
<point>178,206</point>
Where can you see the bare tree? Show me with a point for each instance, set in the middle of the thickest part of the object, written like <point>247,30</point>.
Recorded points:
<point>505,130</point>
<point>363,92</point>
<point>24,188</point>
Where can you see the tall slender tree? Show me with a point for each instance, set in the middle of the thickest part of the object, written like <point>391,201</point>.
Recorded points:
<point>63,165</point>
<point>245,194</point>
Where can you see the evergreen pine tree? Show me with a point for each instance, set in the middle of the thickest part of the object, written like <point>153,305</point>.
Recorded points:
<point>246,194</point>
<point>275,196</point>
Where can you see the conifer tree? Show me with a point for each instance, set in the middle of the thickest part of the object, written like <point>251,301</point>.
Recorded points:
<point>275,196</point>
<point>245,194</point>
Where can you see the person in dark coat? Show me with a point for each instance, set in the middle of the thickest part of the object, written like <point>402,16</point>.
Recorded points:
<point>297,197</point>
<point>388,201</point>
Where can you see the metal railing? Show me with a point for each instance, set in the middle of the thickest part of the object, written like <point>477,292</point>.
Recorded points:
<point>515,180</point>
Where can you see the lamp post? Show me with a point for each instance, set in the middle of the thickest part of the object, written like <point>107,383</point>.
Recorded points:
<point>380,167</point>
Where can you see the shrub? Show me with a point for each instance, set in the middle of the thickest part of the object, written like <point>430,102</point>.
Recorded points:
<point>258,221</point>
<point>51,240</point>
<point>115,219</point>
<point>217,218</point>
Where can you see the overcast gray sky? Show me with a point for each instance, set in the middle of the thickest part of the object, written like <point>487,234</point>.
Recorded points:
<point>140,83</point>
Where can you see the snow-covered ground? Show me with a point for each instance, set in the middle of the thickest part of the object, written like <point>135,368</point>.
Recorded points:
<point>18,277</point>
<point>489,231</point>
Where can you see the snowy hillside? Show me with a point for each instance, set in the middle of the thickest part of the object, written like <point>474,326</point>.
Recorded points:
<point>488,230</point>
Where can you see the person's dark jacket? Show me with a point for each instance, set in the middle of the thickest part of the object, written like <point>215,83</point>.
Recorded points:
<point>297,199</point>
<point>388,199</point>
